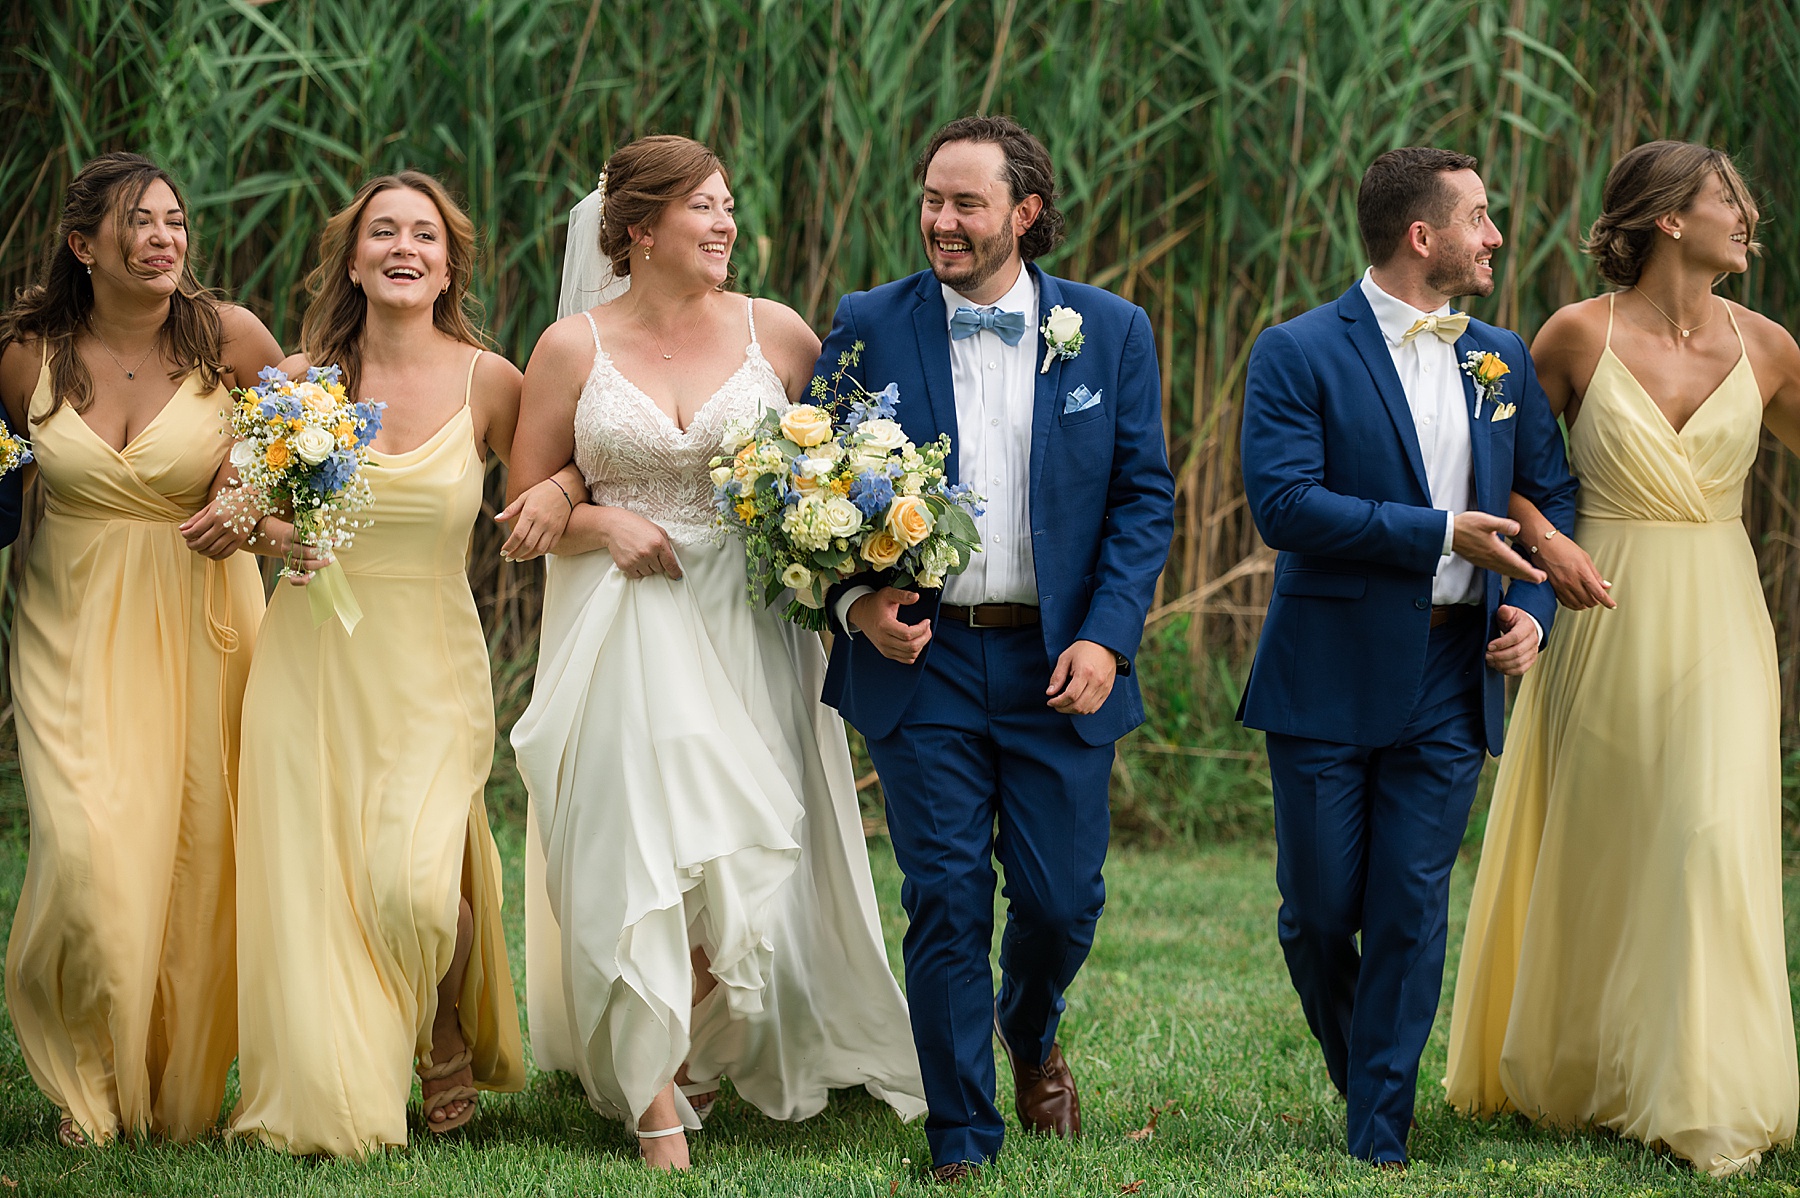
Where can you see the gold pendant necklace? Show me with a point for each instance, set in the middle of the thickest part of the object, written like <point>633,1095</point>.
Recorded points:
<point>1685,333</point>
<point>130,371</point>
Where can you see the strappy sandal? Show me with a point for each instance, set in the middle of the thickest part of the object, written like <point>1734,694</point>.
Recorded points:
<point>658,1135</point>
<point>440,1099</point>
<point>706,1090</point>
<point>69,1135</point>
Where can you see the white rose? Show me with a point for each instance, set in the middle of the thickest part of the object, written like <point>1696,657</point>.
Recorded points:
<point>313,444</point>
<point>243,455</point>
<point>842,518</point>
<point>796,576</point>
<point>738,433</point>
<point>812,466</point>
<point>808,597</point>
<point>721,475</point>
<point>1063,324</point>
<point>880,435</point>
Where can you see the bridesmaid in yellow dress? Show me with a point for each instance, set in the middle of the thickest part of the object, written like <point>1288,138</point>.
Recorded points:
<point>1624,964</point>
<point>131,644</point>
<point>369,931</point>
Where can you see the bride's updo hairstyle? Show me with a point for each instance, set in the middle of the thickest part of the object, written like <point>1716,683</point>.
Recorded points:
<point>1651,182</point>
<point>100,200</point>
<point>645,177</point>
<point>331,333</point>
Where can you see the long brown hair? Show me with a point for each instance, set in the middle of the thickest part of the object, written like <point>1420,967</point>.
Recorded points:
<point>331,333</point>
<point>643,178</point>
<point>57,307</point>
<point>1652,181</point>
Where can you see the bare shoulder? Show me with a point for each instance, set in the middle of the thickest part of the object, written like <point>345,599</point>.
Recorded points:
<point>20,366</point>
<point>566,344</point>
<point>1773,353</point>
<point>238,321</point>
<point>788,341</point>
<point>1573,326</point>
<point>496,376</point>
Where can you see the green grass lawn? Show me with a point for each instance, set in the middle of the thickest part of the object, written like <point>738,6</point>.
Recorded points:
<point>1185,1001</point>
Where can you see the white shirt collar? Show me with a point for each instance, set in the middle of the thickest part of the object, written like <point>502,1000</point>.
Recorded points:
<point>1395,316</point>
<point>1019,298</point>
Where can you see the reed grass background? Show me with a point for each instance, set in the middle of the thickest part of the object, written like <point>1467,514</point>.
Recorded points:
<point>1209,150</point>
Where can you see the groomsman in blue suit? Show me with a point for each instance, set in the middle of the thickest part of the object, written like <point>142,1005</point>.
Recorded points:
<point>991,709</point>
<point>1383,433</point>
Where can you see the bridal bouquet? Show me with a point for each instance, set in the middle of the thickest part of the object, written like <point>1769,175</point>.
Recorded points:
<point>302,446</point>
<point>15,451</point>
<point>829,489</point>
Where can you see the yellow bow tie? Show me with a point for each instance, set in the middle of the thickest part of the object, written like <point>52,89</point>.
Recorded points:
<point>1447,328</point>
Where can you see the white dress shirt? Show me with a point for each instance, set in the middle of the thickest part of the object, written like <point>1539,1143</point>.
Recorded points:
<point>1433,385</point>
<point>995,385</point>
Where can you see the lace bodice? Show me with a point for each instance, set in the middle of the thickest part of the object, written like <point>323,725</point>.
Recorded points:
<point>633,456</point>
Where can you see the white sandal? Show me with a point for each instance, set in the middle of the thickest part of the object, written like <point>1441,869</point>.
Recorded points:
<point>657,1135</point>
<point>692,1090</point>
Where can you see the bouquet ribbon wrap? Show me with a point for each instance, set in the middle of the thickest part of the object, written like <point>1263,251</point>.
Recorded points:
<point>328,594</point>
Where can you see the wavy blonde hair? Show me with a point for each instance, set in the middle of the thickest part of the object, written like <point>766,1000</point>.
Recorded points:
<point>331,333</point>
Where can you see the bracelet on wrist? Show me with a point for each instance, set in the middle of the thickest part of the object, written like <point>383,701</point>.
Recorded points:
<point>565,495</point>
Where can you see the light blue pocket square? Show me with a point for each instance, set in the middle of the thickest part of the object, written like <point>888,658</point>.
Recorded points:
<point>1080,400</point>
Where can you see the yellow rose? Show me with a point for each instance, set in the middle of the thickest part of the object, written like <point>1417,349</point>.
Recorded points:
<point>909,520</point>
<point>315,398</point>
<point>882,549</point>
<point>1491,369</point>
<point>277,455</point>
<point>806,425</point>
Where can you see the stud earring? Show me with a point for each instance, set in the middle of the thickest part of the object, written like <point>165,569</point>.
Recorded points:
<point>1677,235</point>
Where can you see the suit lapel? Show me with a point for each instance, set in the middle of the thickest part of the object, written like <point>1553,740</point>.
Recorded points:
<point>1478,433</point>
<point>1365,334</point>
<point>931,323</point>
<point>1048,383</point>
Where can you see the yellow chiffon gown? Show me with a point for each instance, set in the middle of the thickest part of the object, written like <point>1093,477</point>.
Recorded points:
<point>1624,965</point>
<point>129,658</point>
<point>361,821</point>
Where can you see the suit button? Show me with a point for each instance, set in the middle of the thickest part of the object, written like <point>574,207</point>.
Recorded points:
<point>1420,604</point>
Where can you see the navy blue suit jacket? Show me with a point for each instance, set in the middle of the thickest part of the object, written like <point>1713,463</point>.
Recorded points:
<point>1336,483</point>
<point>1102,499</point>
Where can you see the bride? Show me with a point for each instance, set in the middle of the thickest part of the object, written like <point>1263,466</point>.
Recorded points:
<point>699,898</point>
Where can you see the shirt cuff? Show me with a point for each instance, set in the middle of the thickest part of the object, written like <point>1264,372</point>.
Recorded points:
<point>1449,534</point>
<point>1536,625</point>
<point>845,602</point>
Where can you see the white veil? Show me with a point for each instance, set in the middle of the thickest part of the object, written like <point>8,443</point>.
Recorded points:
<point>587,277</point>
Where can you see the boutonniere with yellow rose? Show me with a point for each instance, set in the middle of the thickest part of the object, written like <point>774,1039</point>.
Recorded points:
<point>1487,369</point>
<point>1062,336</point>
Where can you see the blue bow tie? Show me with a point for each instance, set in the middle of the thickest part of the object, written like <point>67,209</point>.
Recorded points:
<point>966,322</point>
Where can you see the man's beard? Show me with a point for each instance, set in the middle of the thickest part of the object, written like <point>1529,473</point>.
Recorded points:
<point>985,259</point>
<point>1459,278</point>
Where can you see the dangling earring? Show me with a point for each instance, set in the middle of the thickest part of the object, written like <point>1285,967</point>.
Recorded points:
<point>90,269</point>
<point>646,253</point>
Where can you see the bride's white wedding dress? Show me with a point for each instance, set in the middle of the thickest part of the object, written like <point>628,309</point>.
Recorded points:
<point>688,789</point>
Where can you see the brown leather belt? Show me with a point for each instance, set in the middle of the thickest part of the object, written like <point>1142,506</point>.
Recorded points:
<point>1443,613</point>
<point>991,615</point>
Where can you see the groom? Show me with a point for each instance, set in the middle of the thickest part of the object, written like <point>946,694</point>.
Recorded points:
<point>991,709</point>
<point>1379,451</point>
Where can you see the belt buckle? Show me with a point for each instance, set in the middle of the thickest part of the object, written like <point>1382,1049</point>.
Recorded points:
<point>976,620</point>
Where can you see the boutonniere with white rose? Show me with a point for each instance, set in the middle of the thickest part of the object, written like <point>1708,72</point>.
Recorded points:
<point>1486,369</point>
<point>1062,336</point>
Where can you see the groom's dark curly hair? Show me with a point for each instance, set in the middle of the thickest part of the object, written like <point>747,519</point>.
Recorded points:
<point>1028,172</point>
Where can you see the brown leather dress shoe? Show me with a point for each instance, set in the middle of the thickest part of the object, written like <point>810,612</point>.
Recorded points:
<point>954,1173</point>
<point>1044,1095</point>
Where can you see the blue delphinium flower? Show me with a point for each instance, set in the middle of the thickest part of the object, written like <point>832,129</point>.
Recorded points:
<point>336,471</point>
<point>271,374</point>
<point>872,493</point>
<point>876,406</point>
<point>369,416</point>
<point>964,494</point>
<point>284,407</point>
